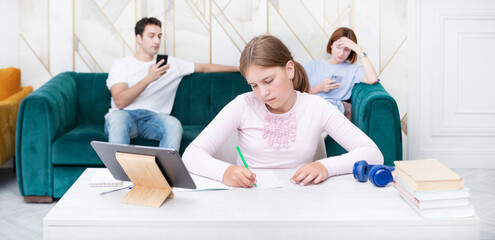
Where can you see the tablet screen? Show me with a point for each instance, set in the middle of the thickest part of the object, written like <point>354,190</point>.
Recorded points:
<point>168,160</point>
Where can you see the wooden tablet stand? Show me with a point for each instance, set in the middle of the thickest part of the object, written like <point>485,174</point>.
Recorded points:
<point>150,186</point>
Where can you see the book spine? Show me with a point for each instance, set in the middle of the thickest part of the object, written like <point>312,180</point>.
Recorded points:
<point>406,195</point>
<point>404,176</point>
<point>434,195</point>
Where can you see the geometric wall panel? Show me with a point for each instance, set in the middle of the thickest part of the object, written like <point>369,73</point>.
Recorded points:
<point>393,16</point>
<point>34,28</point>
<point>96,38</point>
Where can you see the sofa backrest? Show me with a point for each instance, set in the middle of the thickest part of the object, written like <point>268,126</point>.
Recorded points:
<point>199,98</point>
<point>93,98</point>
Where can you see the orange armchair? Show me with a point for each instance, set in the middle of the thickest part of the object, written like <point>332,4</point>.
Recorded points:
<point>11,95</point>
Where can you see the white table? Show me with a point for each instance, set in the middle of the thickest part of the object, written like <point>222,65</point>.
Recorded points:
<point>339,208</point>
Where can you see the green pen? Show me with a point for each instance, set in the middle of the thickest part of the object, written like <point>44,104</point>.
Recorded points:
<point>242,158</point>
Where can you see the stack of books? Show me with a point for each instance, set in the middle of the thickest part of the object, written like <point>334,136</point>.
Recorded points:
<point>432,189</point>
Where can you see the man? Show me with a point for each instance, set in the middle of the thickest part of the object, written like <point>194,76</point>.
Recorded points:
<point>143,93</point>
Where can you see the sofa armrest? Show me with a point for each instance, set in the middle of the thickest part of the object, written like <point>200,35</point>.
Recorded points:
<point>43,116</point>
<point>8,119</point>
<point>376,113</point>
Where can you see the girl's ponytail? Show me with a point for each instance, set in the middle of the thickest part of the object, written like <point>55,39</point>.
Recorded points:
<point>300,80</point>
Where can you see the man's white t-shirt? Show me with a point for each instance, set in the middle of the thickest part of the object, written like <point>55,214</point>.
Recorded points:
<point>159,95</point>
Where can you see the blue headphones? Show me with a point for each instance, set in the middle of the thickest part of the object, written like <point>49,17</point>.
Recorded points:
<point>379,175</point>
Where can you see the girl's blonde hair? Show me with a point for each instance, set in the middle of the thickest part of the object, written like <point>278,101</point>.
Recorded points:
<point>269,51</point>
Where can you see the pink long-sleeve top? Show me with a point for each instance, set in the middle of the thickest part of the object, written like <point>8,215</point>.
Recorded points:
<point>287,140</point>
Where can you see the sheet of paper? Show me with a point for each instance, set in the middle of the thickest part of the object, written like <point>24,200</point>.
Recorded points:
<point>265,179</point>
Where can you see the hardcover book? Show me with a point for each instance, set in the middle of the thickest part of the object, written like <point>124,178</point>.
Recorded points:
<point>447,212</point>
<point>435,194</point>
<point>427,175</point>
<point>431,203</point>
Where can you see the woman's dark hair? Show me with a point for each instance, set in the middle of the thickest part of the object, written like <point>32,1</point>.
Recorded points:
<point>343,32</point>
<point>141,24</point>
<point>269,51</point>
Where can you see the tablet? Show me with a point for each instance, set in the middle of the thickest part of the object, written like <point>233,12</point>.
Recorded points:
<point>167,159</point>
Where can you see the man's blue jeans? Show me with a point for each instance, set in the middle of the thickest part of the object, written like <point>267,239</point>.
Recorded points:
<point>122,125</point>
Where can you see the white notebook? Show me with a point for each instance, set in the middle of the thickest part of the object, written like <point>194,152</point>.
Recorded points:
<point>103,178</point>
<point>265,179</point>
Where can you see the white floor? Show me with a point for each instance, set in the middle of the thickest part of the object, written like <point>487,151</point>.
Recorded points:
<point>19,220</point>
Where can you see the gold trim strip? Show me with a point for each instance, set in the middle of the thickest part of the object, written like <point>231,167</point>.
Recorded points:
<point>235,29</point>
<point>204,10</point>
<point>391,58</point>
<point>314,18</point>
<point>110,22</point>
<point>85,63</point>
<point>120,14</point>
<point>331,24</point>
<point>341,17</point>
<point>197,15</point>
<point>89,53</point>
<point>294,33</point>
<point>34,53</point>
<point>225,30</point>
<point>226,5</point>
<point>104,4</point>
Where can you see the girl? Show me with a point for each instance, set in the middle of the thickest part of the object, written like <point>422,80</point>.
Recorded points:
<point>278,124</point>
<point>334,78</point>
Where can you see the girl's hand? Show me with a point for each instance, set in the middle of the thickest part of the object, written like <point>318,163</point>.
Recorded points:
<point>328,85</point>
<point>238,176</point>
<point>345,42</point>
<point>313,172</point>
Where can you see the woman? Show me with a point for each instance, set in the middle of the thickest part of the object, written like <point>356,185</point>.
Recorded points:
<point>334,78</point>
<point>278,124</point>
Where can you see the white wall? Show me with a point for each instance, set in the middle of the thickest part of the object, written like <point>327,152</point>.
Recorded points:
<point>451,82</point>
<point>9,27</point>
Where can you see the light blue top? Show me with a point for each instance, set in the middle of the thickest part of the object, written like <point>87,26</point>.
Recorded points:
<point>345,73</point>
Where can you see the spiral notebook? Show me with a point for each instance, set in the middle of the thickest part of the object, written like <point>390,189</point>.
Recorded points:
<point>103,178</point>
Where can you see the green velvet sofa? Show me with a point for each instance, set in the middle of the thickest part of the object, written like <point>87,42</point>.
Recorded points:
<point>58,120</point>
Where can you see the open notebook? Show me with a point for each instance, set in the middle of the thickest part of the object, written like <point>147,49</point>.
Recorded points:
<point>103,178</point>
<point>265,179</point>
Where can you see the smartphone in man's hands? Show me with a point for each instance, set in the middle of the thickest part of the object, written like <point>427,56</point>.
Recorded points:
<point>160,57</point>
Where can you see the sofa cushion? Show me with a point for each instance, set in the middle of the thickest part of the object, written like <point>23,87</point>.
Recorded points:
<point>76,142</point>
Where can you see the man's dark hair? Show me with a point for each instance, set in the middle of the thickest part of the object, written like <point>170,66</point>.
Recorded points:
<point>141,24</point>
